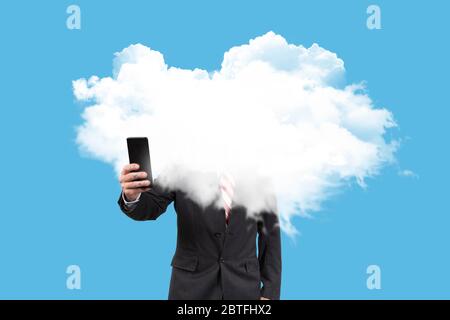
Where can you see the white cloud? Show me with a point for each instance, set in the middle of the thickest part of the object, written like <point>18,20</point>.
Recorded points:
<point>272,116</point>
<point>408,173</point>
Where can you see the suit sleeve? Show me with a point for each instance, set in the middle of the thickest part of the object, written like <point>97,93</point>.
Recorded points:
<point>269,255</point>
<point>151,204</point>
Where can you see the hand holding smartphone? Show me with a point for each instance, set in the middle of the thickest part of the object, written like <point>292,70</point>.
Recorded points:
<point>136,177</point>
<point>139,152</point>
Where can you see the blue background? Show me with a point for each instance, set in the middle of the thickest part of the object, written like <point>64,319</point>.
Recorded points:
<point>59,208</point>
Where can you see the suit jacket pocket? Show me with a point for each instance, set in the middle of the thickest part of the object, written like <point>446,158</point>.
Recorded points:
<point>188,263</point>
<point>252,265</point>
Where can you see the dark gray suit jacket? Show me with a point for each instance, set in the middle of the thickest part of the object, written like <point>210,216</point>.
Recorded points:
<point>212,260</point>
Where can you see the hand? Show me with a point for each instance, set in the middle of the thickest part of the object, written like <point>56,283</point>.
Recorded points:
<point>263,298</point>
<point>132,183</point>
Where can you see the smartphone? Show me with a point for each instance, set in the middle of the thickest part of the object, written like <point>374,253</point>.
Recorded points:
<point>139,152</point>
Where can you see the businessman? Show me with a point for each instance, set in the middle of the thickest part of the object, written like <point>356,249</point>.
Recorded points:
<point>216,256</point>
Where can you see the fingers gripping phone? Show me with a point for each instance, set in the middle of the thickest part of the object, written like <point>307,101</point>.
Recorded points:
<point>139,152</point>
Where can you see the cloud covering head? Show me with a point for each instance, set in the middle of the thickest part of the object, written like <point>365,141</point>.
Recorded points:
<point>275,116</point>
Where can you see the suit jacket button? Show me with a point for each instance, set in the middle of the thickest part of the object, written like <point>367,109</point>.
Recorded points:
<point>222,260</point>
<point>218,235</point>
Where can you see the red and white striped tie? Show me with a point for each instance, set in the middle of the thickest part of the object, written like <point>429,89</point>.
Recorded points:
<point>227,190</point>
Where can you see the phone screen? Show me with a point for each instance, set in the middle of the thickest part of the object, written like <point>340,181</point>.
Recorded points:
<point>139,152</point>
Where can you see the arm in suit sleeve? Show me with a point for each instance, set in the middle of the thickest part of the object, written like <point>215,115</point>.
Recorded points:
<point>269,255</point>
<point>151,203</point>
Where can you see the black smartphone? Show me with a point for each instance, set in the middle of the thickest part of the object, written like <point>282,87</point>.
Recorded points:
<point>139,152</point>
